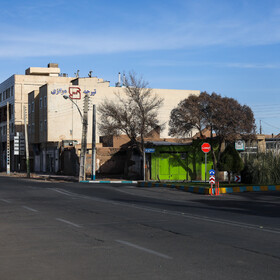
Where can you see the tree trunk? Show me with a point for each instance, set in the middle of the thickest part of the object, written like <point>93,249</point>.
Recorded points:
<point>228,172</point>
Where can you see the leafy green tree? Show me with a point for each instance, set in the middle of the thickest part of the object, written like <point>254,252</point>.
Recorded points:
<point>226,119</point>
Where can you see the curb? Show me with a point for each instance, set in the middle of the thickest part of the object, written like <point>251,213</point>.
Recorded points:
<point>250,189</point>
<point>110,182</point>
<point>206,190</point>
<point>193,189</point>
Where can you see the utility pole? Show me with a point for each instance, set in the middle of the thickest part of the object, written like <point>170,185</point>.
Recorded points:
<point>93,144</point>
<point>26,145</point>
<point>82,173</point>
<point>144,165</point>
<point>8,140</point>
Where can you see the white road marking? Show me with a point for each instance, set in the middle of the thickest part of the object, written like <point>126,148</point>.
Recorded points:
<point>5,200</point>
<point>30,209</point>
<point>173,213</point>
<point>75,195</point>
<point>62,192</point>
<point>144,249</point>
<point>68,222</point>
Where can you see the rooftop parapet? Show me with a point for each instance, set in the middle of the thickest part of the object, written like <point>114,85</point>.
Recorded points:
<point>51,70</point>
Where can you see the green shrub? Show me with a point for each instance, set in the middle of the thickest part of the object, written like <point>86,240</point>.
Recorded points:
<point>261,168</point>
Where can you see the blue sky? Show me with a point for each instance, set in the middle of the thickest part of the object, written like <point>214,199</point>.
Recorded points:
<point>231,47</point>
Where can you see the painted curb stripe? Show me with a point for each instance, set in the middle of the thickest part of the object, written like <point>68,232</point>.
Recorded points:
<point>110,182</point>
<point>271,188</point>
<point>223,190</point>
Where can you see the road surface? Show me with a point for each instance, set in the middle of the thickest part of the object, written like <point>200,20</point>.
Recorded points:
<point>58,230</point>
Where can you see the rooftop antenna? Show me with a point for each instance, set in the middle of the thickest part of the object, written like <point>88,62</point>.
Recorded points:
<point>260,126</point>
<point>77,74</point>
<point>90,73</point>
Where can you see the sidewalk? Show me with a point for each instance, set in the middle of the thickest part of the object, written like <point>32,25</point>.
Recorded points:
<point>41,176</point>
<point>54,177</point>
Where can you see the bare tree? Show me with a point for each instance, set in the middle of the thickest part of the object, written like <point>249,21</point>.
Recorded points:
<point>135,113</point>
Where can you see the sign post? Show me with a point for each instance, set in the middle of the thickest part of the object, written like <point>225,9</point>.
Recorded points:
<point>206,148</point>
<point>146,151</point>
<point>212,182</point>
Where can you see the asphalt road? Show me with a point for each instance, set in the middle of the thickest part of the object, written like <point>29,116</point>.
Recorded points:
<point>56,230</point>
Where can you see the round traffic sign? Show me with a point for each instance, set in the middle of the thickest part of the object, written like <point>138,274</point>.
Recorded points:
<point>206,147</point>
<point>211,172</point>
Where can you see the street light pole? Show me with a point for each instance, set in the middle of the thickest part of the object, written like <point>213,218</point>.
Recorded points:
<point>84,116</point>
<point>82,175</point>
<point>93,144</point>
<point>67,97</point>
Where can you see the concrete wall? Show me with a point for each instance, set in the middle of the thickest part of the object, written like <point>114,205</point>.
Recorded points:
<point>64,121</point>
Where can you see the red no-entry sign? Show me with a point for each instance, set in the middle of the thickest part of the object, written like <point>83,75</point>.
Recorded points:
<point>206,148</point>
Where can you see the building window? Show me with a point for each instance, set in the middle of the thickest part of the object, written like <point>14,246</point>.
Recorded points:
<point>41,126</point>
<point>0,96</point>
<point>40,103</point>
<point>8,93</point>
<point>29,108</point>
<point>45,101</point>
<point>12,90</point>
<point>33,128</point>
<point>45,125</point>
<point>32,107</point>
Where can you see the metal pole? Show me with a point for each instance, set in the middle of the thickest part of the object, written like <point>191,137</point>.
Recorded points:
<point>205,166</point>
<point>26,145</point>
<point>144,164</point>
<point>8,139</point>
<point>93,145</point>
<point>82,173</point>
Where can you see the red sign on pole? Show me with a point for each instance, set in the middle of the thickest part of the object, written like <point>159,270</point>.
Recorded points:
<point>206,148</point>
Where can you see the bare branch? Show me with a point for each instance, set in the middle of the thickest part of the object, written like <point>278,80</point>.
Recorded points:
<point>135,113</point>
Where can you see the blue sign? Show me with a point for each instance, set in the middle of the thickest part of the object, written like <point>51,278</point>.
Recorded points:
<point>211,172</point>
<point>150,150</point>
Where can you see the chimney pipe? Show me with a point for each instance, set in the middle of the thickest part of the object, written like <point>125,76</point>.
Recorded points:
<point>124,83</point>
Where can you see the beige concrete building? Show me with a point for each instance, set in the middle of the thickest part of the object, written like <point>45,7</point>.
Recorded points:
<point>15,91</point>
<point>55,122</point>
<point>60,120</point>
